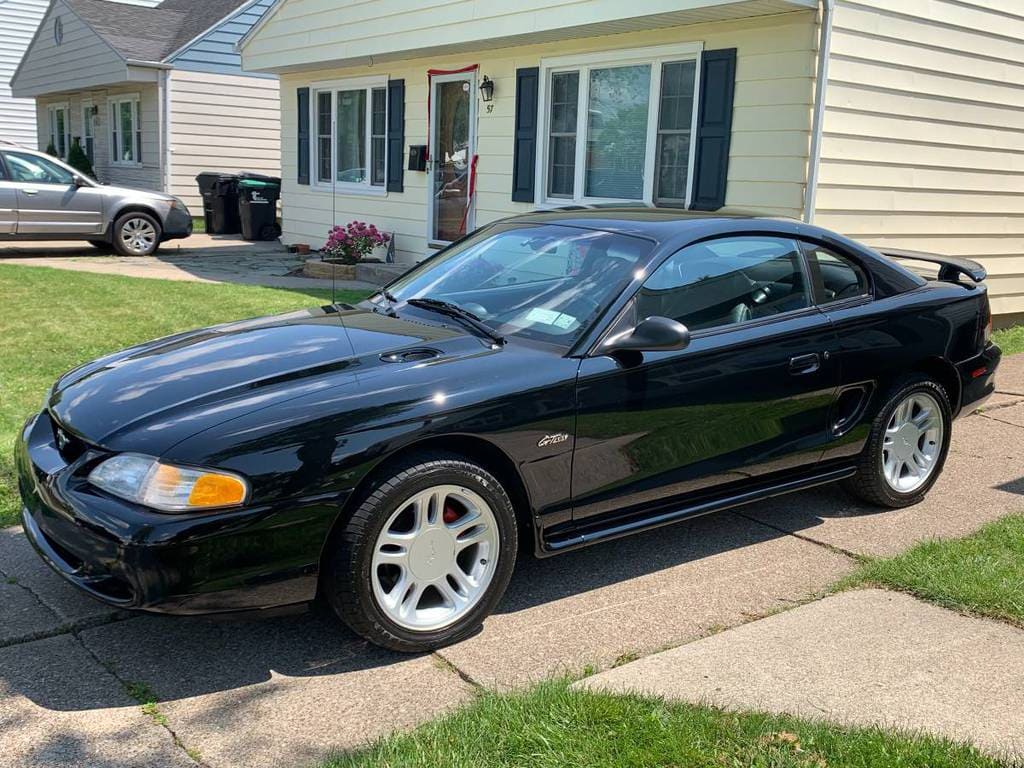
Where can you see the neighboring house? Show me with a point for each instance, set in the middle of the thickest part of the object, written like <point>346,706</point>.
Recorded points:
<point>19,20</point>
<point>154,95</point>
<point>915,137</point>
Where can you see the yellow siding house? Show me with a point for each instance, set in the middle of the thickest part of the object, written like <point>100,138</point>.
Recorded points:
<point>898,122</point>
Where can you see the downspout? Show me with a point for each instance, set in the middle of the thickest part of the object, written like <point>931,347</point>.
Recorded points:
<point>817,125</point>
<point>165,127</point>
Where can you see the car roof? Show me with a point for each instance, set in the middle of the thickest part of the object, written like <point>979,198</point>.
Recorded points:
<point>659,224</point>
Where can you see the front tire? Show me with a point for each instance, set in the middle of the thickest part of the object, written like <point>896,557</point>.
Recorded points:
<point>426,555</point>
<point>907,446</point>
<point>136,234</point>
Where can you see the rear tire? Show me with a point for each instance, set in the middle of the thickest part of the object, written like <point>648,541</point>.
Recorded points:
<point>907,446</point>
<point>136,234</point>
<point>426,555</point>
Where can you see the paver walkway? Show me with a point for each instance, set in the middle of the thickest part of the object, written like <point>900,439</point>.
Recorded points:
<point>199,258</point>
<point>288,691</point>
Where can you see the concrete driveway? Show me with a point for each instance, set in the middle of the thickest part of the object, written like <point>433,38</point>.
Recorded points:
<point>288,691</point>
<point>198,258</point>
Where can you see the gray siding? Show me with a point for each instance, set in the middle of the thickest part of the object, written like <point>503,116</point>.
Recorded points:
<point>18,22</point>
<point>82,59</point>
<point>147,174</point>
<point>215,51</point>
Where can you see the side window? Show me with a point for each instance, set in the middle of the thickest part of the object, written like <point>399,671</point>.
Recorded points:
<point>33,169</point>
<point>840,278</point>
<point>3,169</point>
<point>727,281</point>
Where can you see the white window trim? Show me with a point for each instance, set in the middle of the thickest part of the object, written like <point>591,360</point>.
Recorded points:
<point>656,56</point>
<point>344,187</point>
<point>52,126</point>
<point>115,152</point>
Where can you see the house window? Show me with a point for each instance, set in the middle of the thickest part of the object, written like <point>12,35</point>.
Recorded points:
<point>618,125</point>
<point>60,129</point>
<point>351,134</point>
<point>125,131</point>
<point>88,139</point>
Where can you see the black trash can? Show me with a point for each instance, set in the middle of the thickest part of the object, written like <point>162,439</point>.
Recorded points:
<point>257,206</point>
<point>220,202</point>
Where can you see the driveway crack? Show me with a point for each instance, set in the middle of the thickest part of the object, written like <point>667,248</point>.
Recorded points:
<point>823,544</point>
<point>141,693</point>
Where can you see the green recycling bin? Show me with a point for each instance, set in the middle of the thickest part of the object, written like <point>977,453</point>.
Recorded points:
<point>257,206</point>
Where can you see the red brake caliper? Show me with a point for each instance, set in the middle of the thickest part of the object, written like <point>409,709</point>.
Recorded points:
<point>450,514</point>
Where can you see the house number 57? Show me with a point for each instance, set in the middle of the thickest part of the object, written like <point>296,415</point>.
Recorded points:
<point>490,108</point>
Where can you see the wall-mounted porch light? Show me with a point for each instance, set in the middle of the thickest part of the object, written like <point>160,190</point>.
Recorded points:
<point>487,89</point>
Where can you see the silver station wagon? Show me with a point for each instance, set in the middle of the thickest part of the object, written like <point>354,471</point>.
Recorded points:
<point>42,198</point>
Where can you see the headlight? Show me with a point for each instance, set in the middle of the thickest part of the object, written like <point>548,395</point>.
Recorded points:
<point>167,487</point>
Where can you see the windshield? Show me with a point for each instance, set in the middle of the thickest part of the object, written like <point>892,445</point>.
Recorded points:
<point>540,281</point>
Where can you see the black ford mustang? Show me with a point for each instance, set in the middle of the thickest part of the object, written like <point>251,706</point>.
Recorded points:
<point>578,375</point>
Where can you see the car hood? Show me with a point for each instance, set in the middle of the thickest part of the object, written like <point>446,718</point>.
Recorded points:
<point>150,397</point>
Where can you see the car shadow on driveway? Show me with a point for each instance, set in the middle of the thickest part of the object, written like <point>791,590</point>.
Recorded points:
<point>179,657</point>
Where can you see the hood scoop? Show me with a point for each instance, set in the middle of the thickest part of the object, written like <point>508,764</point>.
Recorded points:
<point>415,355</point>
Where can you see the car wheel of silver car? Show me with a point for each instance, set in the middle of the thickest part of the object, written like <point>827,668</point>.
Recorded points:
<point>425,556</point>
<point>907,446</point>
<point>136,234</point>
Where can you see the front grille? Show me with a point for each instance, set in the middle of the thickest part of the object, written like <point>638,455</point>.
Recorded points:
<point>68,446</point>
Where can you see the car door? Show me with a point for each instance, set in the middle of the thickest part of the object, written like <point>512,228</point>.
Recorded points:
<point>750,396</point>
<point>48,199</point>
<point>8,203</point>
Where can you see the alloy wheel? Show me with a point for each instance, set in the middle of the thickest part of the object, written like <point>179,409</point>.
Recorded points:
<point>912,442</point>
<point>138,235</point>
<point>435,558</point>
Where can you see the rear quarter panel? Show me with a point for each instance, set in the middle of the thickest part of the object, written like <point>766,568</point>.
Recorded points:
<point>882,341</point>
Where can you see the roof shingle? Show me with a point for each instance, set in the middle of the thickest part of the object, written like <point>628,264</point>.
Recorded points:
<point>151,34</point>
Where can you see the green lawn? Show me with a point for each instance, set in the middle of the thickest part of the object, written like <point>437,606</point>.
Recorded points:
<point>1010,340</point>
<point>552,726</point>
<point>55,319</point>
<point>982,573</point>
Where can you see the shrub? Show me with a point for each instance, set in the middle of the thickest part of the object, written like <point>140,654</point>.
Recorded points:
<point>353,242</point>
<point>78,160</point>
<point>51,150</point>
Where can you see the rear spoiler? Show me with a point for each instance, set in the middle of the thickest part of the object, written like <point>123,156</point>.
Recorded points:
<point>950,267</point>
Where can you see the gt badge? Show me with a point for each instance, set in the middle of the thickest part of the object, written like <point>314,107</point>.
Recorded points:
<point>558,437</point>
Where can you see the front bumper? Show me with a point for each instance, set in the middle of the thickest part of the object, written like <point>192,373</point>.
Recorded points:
<point>978,378</point>
<point>129,556</point>
<point>178,224</point>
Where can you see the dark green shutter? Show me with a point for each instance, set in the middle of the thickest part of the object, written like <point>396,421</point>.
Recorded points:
<point>524,153</point>
<point>396,135</point>
<point>302,135</point>
<point>714,129</point>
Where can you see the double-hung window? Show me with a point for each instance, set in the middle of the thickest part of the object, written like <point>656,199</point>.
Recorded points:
<point>88,139</point>
<point>60,129</point>
<point>349,147</point>
<point>618,125</point>
<point>125,130</point>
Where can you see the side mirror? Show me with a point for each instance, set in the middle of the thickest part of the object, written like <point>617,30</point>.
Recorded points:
<point>655,334</point>
<point>80,182</point>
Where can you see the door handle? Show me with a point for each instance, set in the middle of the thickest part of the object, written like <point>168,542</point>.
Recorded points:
<point>802,364</point>
<point>30,191</point>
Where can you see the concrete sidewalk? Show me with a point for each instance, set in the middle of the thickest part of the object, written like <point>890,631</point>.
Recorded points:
<point>198,258</point>
<point>289,691</point>
<point>867,657</point>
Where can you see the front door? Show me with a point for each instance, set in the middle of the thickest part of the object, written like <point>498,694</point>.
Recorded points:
<point>748,398</point>
<point>452,147</point>
<point>48,200</point>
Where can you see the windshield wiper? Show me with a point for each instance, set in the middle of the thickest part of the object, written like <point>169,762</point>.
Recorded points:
<point>454,310</point>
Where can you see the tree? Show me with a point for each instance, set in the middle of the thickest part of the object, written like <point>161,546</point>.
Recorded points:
<point>78,160</point>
